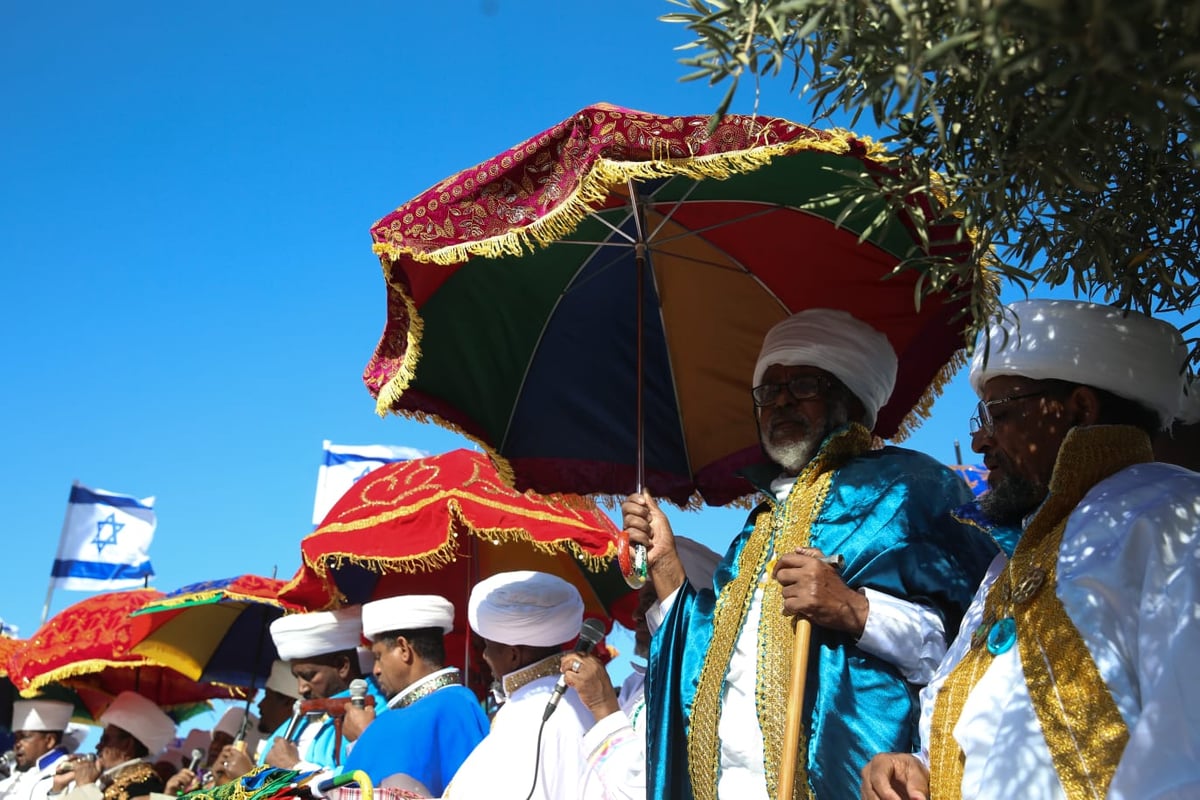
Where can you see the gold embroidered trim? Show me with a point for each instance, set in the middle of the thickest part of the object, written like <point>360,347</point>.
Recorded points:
<point>550,665</point>
<point>134,773</point>
<point>780,529</point>
<point>1080,721</point>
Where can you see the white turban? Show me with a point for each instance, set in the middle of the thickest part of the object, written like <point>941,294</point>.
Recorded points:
<point>699,562</point>
<point>141,719</point>
<point>1189,408</point>
<point>849,349</point>
<point>231,725</point>
<point>1129,354</point>
<point>282,680</point>
<point>317,634</point>
<point>196,739</point>
<point>407,612</point>
<point>41,715</point>
<point>525,608</point>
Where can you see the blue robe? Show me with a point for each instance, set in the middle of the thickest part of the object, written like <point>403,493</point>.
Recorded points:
<point>320,752</point>
<point>427,740</point>
<point>888,513</point>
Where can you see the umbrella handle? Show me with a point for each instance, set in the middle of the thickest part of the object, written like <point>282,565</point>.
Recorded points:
<point>795,707</point>
<point>632,559</point>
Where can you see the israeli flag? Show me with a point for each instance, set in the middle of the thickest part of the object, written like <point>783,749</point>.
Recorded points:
<point>105,542</point>
<point>345,464</point>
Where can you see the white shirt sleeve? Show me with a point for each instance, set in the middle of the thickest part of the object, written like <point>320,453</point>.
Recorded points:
<point>903,633</point>
<point>658,611</point>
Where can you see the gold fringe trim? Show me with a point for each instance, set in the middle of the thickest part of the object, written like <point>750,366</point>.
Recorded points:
<point>924,406</point>
<point>596,184</point>
<point>79,670</point>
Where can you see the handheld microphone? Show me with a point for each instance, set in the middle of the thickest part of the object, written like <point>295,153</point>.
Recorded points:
<point>294,722</point>
<point>197,754</point>
<point>591,633</point>
<point>7,762</point>
<point>358,693</point>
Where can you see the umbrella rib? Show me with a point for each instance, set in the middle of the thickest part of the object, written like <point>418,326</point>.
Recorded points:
<point>675,206</point>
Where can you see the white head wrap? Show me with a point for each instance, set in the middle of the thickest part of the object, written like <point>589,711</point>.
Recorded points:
<point>699,562</point>
<point>407,612</point>
<point>196,739</point>
<point>525,608</point>
<point>845,347</point>
<point>317,634</point>
<point>282,680</point>
<point>41,715</point>
<point>73,736</point>
<point>1189,408</point>
<point>1126,353</point>
<point>231,725</point>
<point>141,719</point>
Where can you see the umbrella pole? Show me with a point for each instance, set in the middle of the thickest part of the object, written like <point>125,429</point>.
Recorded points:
<point>640,571</point>
<point>795,707</point>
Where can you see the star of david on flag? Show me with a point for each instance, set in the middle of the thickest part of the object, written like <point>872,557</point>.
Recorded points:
<point>105,541</point>
<point>346,464</point>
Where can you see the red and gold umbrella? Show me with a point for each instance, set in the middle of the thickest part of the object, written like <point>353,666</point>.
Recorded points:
<point>87,647</point>
<point>438,525</point>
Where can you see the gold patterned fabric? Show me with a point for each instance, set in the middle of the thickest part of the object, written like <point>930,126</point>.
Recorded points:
<point>135,780</point>
<point>1082,725</point>
<point>784,527</point>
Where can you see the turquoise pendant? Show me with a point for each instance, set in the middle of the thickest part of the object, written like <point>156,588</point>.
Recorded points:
<point>1002,636</point>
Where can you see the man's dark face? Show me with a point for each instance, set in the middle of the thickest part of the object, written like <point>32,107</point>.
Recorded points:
<point>220,740</point>
<point>318,680</point>
<point>116,746</point>
<point>29,746</point>
<point>273,709</point>
<point>1028,425</point>
<point>791,428</point>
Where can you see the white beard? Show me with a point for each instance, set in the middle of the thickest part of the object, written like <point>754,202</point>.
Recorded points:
<point>792,456</point>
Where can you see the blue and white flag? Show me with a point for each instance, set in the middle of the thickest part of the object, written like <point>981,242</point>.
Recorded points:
<point>346,463</point>
<point>105,542</point>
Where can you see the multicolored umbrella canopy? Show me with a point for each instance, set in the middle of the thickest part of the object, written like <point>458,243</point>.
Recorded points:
<point>439,525</point>
<point>214,631</point>
<point>511,295</point>
<point>87,648</point>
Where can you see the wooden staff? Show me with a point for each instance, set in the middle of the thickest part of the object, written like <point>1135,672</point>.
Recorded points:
<point>793,721</point>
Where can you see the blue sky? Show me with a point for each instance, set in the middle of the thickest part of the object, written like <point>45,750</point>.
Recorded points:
<point>190,293</point>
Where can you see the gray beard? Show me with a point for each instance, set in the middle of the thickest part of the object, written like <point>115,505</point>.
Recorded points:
<point>1009,501</point>
<point>794,456</point>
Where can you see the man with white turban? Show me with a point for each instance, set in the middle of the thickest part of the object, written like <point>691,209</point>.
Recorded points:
<point>1072,673</point>
<point>616,744</point>
<point>432,722</point>
<point>322,650</point>
<point>134,730</point>
<point>526,619</point>
<point>38,727</point>
<point>717,692</point>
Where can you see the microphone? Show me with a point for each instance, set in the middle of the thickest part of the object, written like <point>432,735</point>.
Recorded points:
<point>591,633</point>
<point>197,754</point>
<point>294,723</point>
<point>7,762</point>
<point>358,693</point>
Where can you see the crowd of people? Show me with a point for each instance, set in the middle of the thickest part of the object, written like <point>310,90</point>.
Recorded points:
<point>1034,643</point>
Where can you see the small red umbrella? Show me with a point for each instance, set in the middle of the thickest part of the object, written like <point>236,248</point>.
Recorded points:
<point>87,647</point>
<point>438,525</point>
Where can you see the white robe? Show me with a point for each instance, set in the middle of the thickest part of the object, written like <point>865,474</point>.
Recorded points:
<point>1129,578</point>
<point>502,766</point>
<point>33,783</point>
<point>616,747</point>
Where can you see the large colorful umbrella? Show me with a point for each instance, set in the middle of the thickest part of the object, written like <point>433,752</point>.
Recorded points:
<point>214,631</point>
<point>87,647</point>
<point>438,525</point>
<point>512,311</point>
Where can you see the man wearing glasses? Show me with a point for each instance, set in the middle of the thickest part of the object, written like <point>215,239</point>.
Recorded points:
<point>1073,672</point>
<point>38,726</point>
<point>718,681</point>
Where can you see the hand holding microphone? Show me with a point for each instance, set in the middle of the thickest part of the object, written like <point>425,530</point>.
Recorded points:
<point>589,635</point>
<point>358,716</point>
<point>358,693</point>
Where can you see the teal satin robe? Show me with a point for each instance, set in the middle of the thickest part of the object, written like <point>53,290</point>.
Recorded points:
<point>888,513</point>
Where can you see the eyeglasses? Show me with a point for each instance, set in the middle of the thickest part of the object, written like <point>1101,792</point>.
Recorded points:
<point>983,422</point>
<point>801,387</point>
